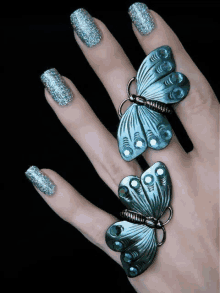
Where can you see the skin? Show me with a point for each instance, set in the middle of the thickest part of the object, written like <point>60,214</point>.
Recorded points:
<point>179,266</point>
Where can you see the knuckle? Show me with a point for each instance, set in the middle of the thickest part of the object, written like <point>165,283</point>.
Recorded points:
<point>101,224</point>
<point>118,171</point>
<point>115,171</point>
<point>93,224</point>
<point>196,102</point>
<point>96,234</point>
<point>106,56</point>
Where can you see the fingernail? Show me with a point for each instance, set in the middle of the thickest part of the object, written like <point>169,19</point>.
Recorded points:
<point>40,181</point>
<point>85,27</point>
<point>141,17</point>
<point>57,87</point>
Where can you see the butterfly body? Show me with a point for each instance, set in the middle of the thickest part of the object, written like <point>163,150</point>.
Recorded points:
<point>146,199</point>
<point>158,86</point>
<point>154,105</point>
<point>137,218</point>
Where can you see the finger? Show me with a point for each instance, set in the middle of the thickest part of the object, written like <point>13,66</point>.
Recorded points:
<point>72,207</point>
<point>114,69</point>
<point>84,126</point>
<point>199,110</point>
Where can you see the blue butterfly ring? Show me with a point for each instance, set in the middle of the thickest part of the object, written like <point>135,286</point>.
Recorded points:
<point>146,199</point>
<point>144,123</point>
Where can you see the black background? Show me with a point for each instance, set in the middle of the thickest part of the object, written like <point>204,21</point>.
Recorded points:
<point>40,249</point>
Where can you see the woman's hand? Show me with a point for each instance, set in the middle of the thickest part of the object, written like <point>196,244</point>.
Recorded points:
<point>189,259</point>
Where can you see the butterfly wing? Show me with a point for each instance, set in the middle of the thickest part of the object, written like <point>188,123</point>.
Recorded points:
<point>133,196</point>
<point>169,90</point>
<point>157,129</point>
<point>157,185</point>
<point>149,195</point>
<point>156,79</point>
<point>139,128</point>
<point>156,65</point>
<point>131,138</point>
<point>137,244</point>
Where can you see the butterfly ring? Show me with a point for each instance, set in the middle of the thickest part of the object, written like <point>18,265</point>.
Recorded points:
<point>146,199</point>
<point>144,123</point>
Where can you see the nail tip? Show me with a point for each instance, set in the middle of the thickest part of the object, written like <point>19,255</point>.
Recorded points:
<point>137,5</point>
<point>79,11</point>
<point>29,170</point>
<point>48,71</point>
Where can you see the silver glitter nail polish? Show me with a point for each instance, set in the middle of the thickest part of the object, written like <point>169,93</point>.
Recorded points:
<point>141,18</point>
<point>85,27</point>
<point>57,87</point>
<point>41,181</point>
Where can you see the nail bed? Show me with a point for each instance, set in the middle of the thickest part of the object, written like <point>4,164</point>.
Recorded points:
<point>40,180</point>
<point>142,18</point>
<point>57,87</point>
<point>85,27</point>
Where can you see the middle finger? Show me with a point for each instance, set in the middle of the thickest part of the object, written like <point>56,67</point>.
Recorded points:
<point>114,69</point>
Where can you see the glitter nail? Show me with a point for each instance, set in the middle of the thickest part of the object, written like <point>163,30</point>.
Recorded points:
<point>85,27</point>
<point>40,181</point>
<point>141,18</point>
<point>57,87</point>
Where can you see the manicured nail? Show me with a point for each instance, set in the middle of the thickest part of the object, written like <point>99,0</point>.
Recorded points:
<point>85,27</point>
<point>40,181</point>
<point>141,17</point>
<point>57,87</point>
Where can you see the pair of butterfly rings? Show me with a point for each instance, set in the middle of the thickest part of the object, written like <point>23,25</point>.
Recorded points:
<point>144,124</point>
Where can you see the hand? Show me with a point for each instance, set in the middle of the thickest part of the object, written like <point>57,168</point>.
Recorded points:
<point>192,264</point>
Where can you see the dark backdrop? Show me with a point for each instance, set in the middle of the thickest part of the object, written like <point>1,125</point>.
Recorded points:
<point>40,249</point>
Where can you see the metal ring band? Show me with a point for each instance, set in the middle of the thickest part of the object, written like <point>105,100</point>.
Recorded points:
<point>128,93</point>
<point>170,217</point>
<point>120,107</point>
<point>129,85</point>
<point>164,237</point>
